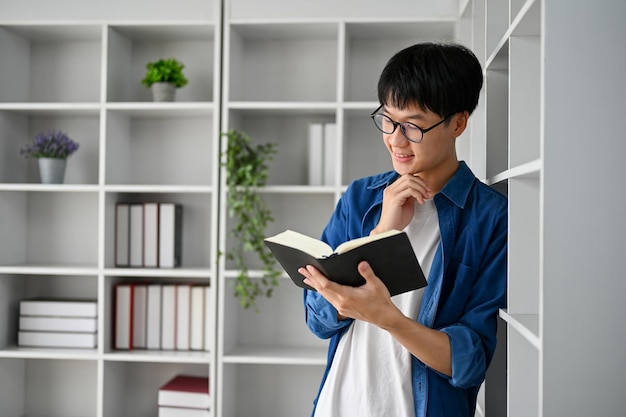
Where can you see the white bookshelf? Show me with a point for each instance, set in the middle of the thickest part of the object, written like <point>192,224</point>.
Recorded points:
<point>557,322</point>
<point>83,75</point>
<point>544,131</point>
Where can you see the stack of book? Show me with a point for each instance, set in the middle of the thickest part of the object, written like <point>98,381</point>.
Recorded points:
<point>185,396</point>
<point>322,147</point>
<point>58,323</point>
<point>162,316</point>
<point>148,235</point>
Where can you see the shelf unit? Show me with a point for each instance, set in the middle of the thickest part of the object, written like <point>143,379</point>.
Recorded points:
<point>541,71</point>
<point>557,330</point>
<point>83,76</point>
<point>316,68</point>
<point>507,38</point>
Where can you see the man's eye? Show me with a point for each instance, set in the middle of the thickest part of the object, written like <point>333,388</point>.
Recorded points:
<point>410,127</point>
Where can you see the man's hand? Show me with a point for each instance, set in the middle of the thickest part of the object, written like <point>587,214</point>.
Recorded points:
<point>399,201</point>
<point>369,302</point>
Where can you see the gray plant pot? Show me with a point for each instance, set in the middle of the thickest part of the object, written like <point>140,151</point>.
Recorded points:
<point>163,91</point>
<point>52,170</point>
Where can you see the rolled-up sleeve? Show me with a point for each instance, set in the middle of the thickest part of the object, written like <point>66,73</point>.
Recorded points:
<point>321,316</point>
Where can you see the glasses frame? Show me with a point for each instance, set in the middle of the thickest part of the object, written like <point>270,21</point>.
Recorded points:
<point>402,125</point>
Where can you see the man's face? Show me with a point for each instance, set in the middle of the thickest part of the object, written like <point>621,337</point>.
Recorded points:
<point>437,147</point>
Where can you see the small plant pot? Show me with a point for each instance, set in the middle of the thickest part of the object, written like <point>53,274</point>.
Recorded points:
<point>163,91</point>
<point>52,170</point>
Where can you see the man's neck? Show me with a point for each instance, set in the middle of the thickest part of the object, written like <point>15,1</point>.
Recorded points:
<point>437,179</point>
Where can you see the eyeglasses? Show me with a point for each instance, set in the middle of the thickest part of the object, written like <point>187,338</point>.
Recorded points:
<point>410,131</point>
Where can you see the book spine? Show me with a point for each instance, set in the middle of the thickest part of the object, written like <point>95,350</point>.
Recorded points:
<point>122,234</point>
<point>123,316</point>
<point>316,153</point>
<point>58,324</point>
<point>330,153</point>
<point>136,235</point>
<point>197,318</point>
<point>153,320</point>
<point>151,235</point>
<point>183,316</point>
<point>208,315</point>
<point>185,391</point>
<point>168,317</point>
<point>140,295</point>
<point>57,339</point>
<point>59,308</point>
<point>170,235</point>
<point>182,412</point>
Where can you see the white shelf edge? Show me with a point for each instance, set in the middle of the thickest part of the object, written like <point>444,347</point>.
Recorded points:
<point>73,106</point>
<point>18,352</point>
<point>148,106</point>
<point>330,20</point>
<point>463,4</point>
<point>282,105</point>
<point>527,325</point>
<point>252,273</point>
<point>159,272</point>
<point>520,16</point>
<point>529,169</point>
<point>360,105</point>
<point>95,23</point>
<point>302,105</point>
<point>113,188</point>
<point>201,189</point>
<point>276,355</point>
<point>162,356</point>
<point>298,189</point>
<point>173,22</point>
<point>26,269</point>
<point>75,188</point>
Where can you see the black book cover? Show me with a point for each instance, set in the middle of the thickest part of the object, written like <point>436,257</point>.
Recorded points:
<point>392,258</point>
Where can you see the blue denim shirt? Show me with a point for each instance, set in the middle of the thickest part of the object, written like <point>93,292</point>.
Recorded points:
<point>466,284</point>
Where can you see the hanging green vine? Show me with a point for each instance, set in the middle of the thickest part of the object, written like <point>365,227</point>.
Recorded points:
<point>247,170</point>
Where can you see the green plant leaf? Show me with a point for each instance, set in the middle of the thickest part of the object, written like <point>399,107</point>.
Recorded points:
<point>168,70</point>
<point>246,171</point>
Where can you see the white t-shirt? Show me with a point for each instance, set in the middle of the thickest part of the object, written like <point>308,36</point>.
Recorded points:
<point>371,372</point>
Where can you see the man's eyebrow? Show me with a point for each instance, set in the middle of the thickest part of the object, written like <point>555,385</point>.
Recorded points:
<point>418,116</point>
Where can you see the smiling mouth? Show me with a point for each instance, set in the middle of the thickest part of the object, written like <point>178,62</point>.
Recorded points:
<point>402,156</point>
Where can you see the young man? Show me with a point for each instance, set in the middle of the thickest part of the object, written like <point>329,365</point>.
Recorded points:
<point>425,352</point>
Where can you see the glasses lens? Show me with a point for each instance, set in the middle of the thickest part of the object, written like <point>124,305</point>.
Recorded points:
<point>384,123</point>
<point>411,131</point>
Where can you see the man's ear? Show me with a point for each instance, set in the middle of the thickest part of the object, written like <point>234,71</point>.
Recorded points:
<point>459,123</point>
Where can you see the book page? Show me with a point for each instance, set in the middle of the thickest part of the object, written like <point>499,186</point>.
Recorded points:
<point>312,246</point>
<point>354,243</point>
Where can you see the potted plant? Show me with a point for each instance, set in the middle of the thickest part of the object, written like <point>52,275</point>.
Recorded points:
<point>51,148</point>
<point>246,171</point>
<point>164,77</point>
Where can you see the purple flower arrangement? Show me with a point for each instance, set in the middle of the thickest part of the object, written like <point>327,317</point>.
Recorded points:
<point>50,144</point>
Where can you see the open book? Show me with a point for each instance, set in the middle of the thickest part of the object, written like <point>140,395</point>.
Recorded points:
<point>390,255</point>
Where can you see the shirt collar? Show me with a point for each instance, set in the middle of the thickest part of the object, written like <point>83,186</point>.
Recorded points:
<point>384,180</point>
<point>458,187</point>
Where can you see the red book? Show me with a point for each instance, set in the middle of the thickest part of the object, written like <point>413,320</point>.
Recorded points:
<point>123,316</point>
<point>185,391</point>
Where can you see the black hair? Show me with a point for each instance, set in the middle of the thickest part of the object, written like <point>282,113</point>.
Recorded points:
<point>444,78</point>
